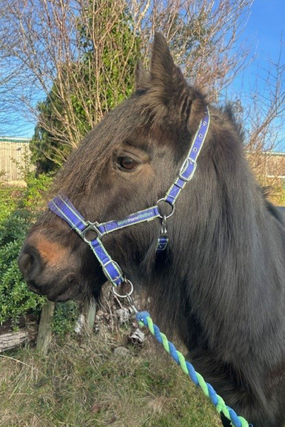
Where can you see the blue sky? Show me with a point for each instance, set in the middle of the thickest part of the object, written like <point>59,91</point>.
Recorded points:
<point>264,30</point>
<point>267,21</point>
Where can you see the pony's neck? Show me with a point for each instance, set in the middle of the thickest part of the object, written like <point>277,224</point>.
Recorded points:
<point>219,264</point>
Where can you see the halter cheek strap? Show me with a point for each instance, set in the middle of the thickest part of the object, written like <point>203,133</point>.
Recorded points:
<point>188,168</point>
<point>63,208</point>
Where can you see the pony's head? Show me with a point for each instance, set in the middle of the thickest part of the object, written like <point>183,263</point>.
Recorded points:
<point>125,164</point>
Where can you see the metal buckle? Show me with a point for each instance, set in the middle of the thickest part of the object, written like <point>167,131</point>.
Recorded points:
<point>170,204</point>
<point>111,261</point>
<point>162,240</point>
<point>184,167</point>
<point>92,226</point>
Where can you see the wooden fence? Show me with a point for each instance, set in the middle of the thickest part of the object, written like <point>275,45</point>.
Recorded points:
<point>268,164</point>
<point>14,154</point>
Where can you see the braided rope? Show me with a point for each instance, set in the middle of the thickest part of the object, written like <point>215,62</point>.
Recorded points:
<point>144,318</point>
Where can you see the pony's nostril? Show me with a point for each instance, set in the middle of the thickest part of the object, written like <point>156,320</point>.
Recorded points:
<point>30,263</point>
<point>25,262</point>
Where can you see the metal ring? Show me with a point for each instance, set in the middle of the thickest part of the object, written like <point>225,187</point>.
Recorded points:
<point>170,204</point>
<point>128,294</point>
<point>93,227</point>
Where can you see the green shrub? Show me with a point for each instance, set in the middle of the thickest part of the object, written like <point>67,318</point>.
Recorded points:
<point>65,317</point>
<point>18,211</point>
<point>15,298</point>
<point>9,199</point>
<point>35,194</point>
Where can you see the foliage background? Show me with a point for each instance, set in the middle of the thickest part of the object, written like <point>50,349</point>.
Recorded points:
<point>19,207</point>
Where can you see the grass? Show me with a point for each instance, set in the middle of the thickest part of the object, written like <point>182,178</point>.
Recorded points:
<point>83,383</point>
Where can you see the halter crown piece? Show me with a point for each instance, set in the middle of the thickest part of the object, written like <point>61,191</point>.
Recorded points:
<point>63,207</point>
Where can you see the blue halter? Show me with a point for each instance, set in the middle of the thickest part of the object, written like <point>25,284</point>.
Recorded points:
<point>63,208</point>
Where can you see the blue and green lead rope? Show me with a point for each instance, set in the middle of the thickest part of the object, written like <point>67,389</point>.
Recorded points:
<point>144,318</point>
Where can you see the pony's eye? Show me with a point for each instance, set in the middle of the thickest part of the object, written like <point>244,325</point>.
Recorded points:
<point>126,163</point>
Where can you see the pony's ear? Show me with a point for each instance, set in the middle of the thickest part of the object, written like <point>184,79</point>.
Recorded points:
<point>167,79</point>
<point>169,87</point>
<point>162,65</point>
<point>142,76</point>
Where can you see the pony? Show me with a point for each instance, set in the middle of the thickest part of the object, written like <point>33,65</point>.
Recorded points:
<point>219,285</point>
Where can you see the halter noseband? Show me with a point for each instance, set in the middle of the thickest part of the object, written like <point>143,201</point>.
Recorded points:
<point>63,208</point>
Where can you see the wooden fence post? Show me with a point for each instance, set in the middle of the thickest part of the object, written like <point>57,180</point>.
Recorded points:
<point>44,332</point>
